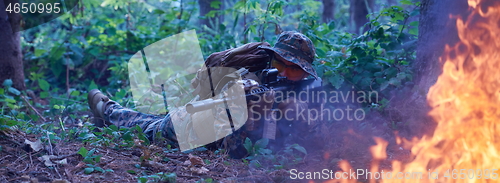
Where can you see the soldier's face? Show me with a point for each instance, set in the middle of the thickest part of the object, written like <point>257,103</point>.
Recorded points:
<point>289,70</point>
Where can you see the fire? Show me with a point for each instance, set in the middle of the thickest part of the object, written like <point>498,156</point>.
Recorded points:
<point>378,153</point>
<point>473,3</point>
<point>465,103</point>
<point>465,146</point>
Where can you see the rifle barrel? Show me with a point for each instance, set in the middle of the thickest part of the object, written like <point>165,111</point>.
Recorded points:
<point>202,105</point>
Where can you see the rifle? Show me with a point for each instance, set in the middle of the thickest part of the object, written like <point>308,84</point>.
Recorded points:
<point>270,80</point>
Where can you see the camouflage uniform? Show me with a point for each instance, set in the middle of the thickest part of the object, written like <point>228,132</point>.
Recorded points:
<point>287,48</point>
<point>151,124</point>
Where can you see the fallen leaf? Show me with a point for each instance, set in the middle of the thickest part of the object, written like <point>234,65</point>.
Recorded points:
<point>138,142</point>
<point>186,163</point>
<point>36,146</point>
<point>201,170</point>
<point>195,160</point>
<point>46,160</point>
<point>34,180</point>
<point>80,165</point>
<point>62,162</point>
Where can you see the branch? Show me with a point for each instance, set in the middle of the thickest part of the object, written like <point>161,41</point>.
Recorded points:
<point>32,108</point>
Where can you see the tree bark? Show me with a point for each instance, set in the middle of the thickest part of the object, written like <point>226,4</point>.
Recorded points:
<point>328,10</point>
<point>436,29</point>
<point>206,8</point>
<point>358,10</point>
<point>11,63</point>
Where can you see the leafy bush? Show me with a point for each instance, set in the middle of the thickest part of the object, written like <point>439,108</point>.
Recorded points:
<point>379,60</point>
<point>10,113</point>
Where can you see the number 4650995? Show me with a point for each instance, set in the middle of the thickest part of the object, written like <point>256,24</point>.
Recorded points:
<point>33,8</point>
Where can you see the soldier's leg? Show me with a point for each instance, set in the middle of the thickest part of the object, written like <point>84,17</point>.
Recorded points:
<point>114,114</point>
<point>150,124</point>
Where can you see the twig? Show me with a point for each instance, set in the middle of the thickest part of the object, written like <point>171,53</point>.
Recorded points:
<point>180,16</point>
<point>50,143</point>
<point>63,157</point>
<point>31,161</point>
<point>5,157</point>
<point>13,179</point>
<point>32,108</point>
<point>67,79</point>
<point>188,176</point>
<point>264,25</point>
<point>182,88</point>
<point>68,100</point>
<point>245,40</point>
<point>55,168</point>
<point>69,174</point>
<point>13,141</point>
<point>28,166</point>
<point>189,17</point>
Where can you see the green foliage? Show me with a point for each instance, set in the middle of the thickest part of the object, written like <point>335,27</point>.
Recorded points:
<point>257,152</point>
<point>291,155</point>
<point>113,136</point>
<point>90,48</point>
<point>259,148</point>
<point>379,60</point>
<point>91,159</point>
<point>208,180</point>
<point>93,168</point>
<point>88,156</point>
<point>11,113</point>
<point>158,177</point>
<point>259,155</point>
<point>8,86</point>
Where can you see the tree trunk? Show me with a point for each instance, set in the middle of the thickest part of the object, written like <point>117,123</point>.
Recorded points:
<point>436,29</point>
<point>359,10</point>
<point>11,63</point>
<point>206,8</point>
<point>328,10</point>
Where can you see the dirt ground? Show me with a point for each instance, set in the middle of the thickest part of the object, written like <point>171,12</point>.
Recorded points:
<point>343,140</point>
<point>18,162</point>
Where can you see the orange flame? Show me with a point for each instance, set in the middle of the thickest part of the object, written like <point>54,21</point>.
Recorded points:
<point>465,146</point>
<point>379,153</point>
<point>465,103</point>
<point>473,3</point>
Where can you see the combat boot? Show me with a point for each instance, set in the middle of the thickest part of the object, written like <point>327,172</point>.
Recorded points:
<point>98,103</point>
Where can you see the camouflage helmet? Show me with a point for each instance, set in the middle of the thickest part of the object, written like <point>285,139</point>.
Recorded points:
<point>296,48</point>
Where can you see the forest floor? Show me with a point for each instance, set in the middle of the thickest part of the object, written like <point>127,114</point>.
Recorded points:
<point>24,158</point>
